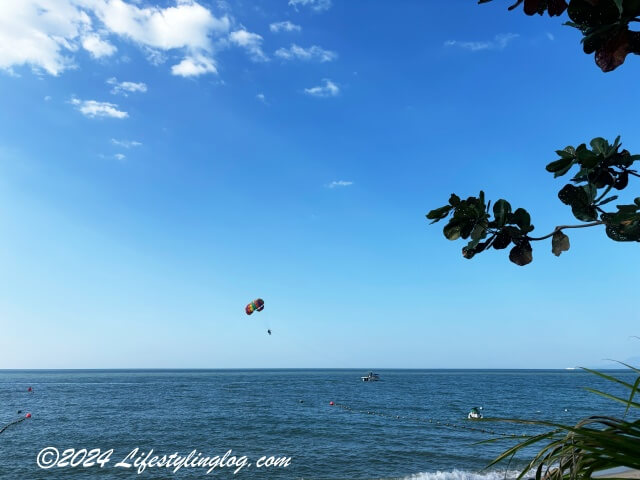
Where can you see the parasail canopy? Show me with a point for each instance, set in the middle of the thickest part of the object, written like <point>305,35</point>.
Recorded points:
<point>256,305</point>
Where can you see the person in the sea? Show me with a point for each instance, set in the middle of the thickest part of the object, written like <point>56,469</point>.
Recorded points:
<point>269,331</point>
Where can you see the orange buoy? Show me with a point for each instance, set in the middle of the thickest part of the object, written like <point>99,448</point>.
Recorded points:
<point>331,403</point>
<point>28,415</point>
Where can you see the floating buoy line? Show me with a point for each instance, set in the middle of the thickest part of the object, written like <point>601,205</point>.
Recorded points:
<point>427,420</point>
<point>15,422</point>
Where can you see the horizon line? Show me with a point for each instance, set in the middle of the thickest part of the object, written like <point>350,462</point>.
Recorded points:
<point>183,369</point>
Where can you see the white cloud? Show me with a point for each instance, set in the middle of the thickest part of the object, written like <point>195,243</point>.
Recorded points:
<point>126,87</point>
<point>194,66</point>
<point>120,156</point>
<point>261,97</point>
<point>39,33</point>
<point>339,183</point>
<point>186,25</point>
<point>93,109</point>
<point>550,36</point>
<point>499,42</point>
<point>252,42</point>
<point>285,26</point>
<point>97,47</point>
<point>329,89</point>
<point>312,53</point>
<point>126,143</point>
<point>46,34</point>
<point>47,98</point>
<point>316,5</point>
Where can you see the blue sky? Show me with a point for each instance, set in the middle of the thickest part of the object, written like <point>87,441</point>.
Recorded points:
<point>164,163</point>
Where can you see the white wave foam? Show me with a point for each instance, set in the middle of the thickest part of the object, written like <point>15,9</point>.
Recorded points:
<point>464,475</point>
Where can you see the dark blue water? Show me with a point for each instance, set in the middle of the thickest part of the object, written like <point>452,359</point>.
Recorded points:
<point>283,413</point>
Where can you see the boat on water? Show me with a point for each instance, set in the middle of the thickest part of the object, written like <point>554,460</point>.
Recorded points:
<point>475,413</point>
<point>371,377</point>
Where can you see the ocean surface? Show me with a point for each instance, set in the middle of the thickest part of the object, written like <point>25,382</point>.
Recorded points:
<point>282,414</point>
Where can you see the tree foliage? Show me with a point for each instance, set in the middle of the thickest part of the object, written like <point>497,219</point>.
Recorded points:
<point>604,25</point>
<point>599,168</point>
<point>594,444</point>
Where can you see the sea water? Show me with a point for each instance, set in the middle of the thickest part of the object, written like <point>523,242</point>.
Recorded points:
<point>212,422</point>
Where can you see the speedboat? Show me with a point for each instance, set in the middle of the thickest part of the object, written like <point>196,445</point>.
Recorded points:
<point>371,377</point>
<point>475,413</point>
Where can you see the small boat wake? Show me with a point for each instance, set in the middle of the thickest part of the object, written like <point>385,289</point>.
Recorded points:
<point>464,475</point>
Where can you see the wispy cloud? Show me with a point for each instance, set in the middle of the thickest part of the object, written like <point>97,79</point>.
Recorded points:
<point>124,88</point>
<point>93,109</point>
<point>252,42</point>
<point>311,53</point>
<point>339,183</point>
<point>499,42</point>
<point>97,46</point>
<point>194,66</point>
<point>119,156</point>
<point>261,98</point>
<point>315,5</point>
<point>126,143</point>
<point>285,26</point>
<point>329,89</point>
<point>550,36</point>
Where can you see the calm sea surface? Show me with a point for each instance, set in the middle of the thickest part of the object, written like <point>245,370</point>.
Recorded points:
<point>284,413</point>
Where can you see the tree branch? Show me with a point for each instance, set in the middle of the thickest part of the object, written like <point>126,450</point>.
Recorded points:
<point>562,227</point>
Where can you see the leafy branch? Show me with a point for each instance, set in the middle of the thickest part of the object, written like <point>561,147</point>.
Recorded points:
<point>596,443</point>
<point>604,25</point>
<point>601,168</point>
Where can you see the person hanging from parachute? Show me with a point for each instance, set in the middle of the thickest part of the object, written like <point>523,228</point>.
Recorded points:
<point>256,306</point>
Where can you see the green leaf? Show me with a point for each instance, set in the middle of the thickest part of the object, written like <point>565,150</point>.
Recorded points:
<point>587,158</point>
<point>627,208</point>
<point>567,194</point>
<point>622,181</point>
<point>522,218</point>
<point>619,5</point>
<point>607,200</point>
<point>616,144</point>
<point>503,239</point>
<point>580,200</point>
<point>623,227</point>
<point>454,200</point>
<point>452,230</point>
<point>591,192</point>
<point>560,167</point>
<point>599,145</point>
<point>585,213</point>
<point>468,252</point>
<point>559,243</point>
<point>501,209</point>
<point>438,214</point>
<point>479,231</point>
<point>566,154</point>
<point>521,254</point>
